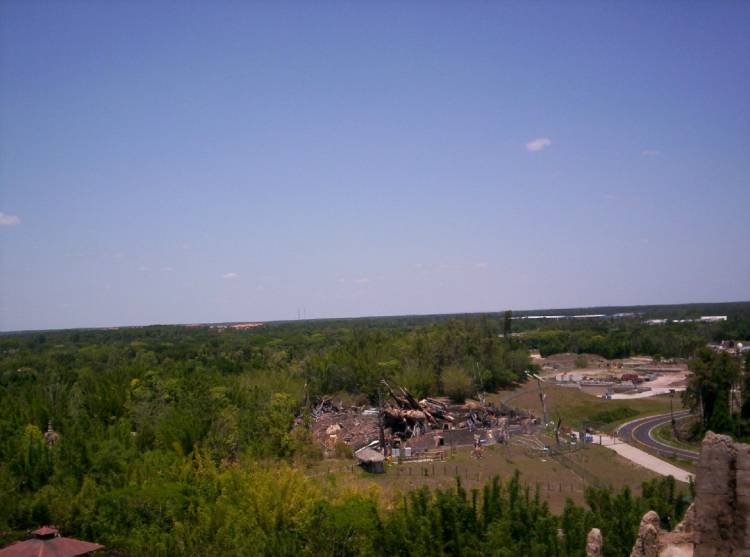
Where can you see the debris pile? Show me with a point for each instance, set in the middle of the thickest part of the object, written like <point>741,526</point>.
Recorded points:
<point>355,426</point>
<point>406,417</point>
<point>325,406</point>
<point>402,417</point>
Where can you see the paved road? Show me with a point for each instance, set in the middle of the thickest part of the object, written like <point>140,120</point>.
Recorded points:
<point>639,431</point>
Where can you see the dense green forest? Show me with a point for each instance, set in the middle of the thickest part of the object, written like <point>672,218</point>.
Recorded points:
<point>629,337</point>
<point>192,441</point>
<point>710,390</point>
<point>140,412</point>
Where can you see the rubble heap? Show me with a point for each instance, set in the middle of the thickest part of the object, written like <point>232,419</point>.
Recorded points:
<point>355,426</point>
<point>717,524</point>
<point>403,417</point>
<point>406,417</point>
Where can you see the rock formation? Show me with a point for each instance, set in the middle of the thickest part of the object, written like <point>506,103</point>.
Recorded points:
<point>647,542</point>
<point>722,498</point>
<point>594,543</point>
<point>717,524</point>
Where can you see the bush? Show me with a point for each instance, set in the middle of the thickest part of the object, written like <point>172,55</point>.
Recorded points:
<point>613,415</point>
<point>582,362</point>
<point>342,450</point>
<point>456,383</point>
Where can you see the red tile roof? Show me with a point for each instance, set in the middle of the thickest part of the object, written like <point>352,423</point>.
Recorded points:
<point>47,542</point>
<point>45,532</point>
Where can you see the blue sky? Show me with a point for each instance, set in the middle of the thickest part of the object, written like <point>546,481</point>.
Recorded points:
<point>211,161</point>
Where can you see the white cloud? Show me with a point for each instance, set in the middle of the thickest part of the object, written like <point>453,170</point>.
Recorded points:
<point>362,280</point>
<point>481,265</point>
<point>9,220</point>
<point>650,153</point>
<point>538,144</point>
<point>230,276</point>
<point>167,269</point>
<point>142,268</point>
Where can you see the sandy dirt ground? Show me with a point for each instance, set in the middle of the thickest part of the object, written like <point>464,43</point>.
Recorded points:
<point>563,368</point>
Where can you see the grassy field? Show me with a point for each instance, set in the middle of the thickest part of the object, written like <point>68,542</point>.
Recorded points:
<point>557,479</point>
<point>576,407</point>
<point>665,434</point>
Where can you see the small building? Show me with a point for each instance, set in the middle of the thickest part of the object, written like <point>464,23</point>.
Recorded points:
<point>369,459</point>
<point>47,542</point>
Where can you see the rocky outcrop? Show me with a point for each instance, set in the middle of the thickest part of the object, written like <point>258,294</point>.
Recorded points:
<point>647,543</point>
<point>594,543</point>
<point>742,490</point>
<point>722,498</point>
<point>717,524</point>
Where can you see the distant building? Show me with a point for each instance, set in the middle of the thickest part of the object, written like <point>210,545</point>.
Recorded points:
<point>730,347</point>
<point>590,316</point>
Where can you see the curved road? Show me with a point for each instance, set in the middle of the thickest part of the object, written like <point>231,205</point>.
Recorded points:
<point>639,431</point>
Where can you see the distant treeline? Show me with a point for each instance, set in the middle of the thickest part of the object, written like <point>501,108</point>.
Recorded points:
<point>628,337</point>
<point>662,311</point>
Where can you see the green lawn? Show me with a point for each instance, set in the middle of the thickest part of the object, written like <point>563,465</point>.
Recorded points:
<point>576,407</point>
<point>557,480</point>
<point>665,434</point>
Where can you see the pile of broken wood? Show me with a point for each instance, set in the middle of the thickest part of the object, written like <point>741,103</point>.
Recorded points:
<point>324,406</point>
<point>402,416</point>
<point>406,417</point>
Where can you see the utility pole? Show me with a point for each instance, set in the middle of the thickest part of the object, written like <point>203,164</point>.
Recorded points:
<point>381,429</point>
<point>671,413</point>
<point>479,382</point>
<point>542,396</point>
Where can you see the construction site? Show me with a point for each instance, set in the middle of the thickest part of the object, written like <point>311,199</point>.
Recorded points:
<point>634,377</point>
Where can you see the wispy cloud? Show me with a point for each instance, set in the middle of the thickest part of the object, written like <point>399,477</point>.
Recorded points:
<point>167,269</point>
<point>481,265</point>
<point>9,220</point>
<point>230,276</point>
<point>143,268</point>
<point>538,144</point>
<point>362,280</point>
<point>650,153</point>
